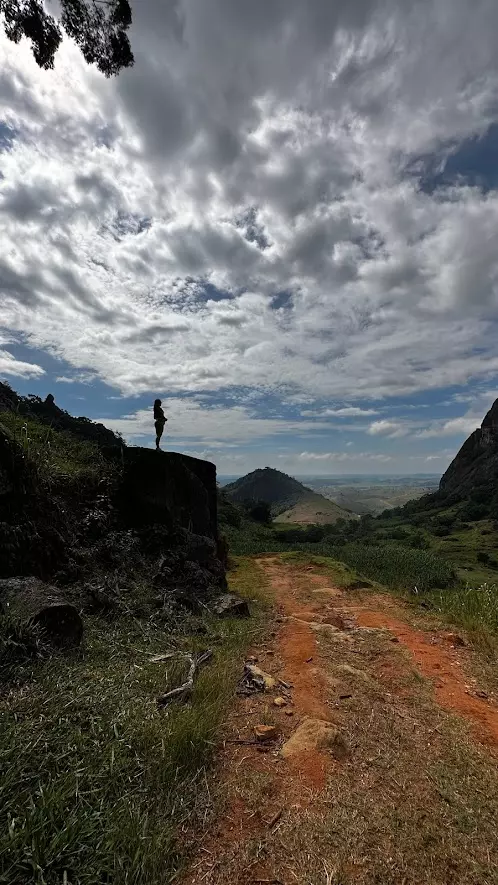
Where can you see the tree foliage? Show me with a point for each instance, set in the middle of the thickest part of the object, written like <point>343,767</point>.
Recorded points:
<point>97,26</point>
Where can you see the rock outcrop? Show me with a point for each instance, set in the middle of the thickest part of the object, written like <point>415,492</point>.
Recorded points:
<point>476,464</point>
<point>167,489</point>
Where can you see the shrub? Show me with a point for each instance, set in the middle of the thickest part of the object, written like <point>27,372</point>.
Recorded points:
<point>260,512</point>
<point>472,511</point>
<point>441,531</point>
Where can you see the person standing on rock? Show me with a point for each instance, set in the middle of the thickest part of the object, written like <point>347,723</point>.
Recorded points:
<point>159,421</point>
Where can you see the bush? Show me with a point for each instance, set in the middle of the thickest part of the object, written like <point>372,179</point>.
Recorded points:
<point>472,511</point>
<point>314,533</point>
<point>397,534</point>
<point>418,541</point>
<point>441,531</point>
<point>482,556</point>
<point>260,512</point>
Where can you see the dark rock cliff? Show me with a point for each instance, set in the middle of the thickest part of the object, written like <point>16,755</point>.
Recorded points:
<point>476,464</point>
<point>168,488</point>
<point>157,505</point>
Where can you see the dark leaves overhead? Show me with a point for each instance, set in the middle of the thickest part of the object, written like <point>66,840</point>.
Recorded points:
<point>97,26</point>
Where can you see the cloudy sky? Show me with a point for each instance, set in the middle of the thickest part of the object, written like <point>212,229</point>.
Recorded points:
<point>283,221</point>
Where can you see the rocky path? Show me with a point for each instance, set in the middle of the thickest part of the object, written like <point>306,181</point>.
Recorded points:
<point>367,776</point>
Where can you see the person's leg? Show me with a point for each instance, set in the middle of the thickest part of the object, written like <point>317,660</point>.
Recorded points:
<point>159,432</point>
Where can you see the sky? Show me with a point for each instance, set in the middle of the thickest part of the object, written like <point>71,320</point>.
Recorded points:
<point>282,221</point>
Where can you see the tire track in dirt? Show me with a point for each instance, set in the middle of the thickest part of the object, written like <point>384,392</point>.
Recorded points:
<point>306,604</point>
<point>443,667</point>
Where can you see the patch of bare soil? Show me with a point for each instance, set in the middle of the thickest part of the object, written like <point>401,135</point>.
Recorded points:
<point>368,779</point>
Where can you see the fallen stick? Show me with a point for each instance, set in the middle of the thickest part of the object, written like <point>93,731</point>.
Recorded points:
<point>184,691</point>
<point>274,818</point>
<point>284,684</point>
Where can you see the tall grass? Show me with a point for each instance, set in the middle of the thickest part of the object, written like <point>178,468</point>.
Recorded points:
<point>397,566</point>
<point>95,780</point>
<point>394,565</point>
<point>475,608</point>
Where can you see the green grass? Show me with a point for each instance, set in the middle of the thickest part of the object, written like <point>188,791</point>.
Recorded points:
<point>396,566</point>
<point>56,453</point>
<point>95,780</point>
<point>473,607</point>
<point>340,573</point>
<point>391,564</point>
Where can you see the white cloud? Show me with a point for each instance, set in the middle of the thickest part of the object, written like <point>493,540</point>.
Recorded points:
<point>78,378</point>
<point>18,368</point>
<point>344,412</point>
<point>191,419</point>
<point>269,150</point>
<point>344,456</point>
<point>388,428</point>
<point>456,426</point>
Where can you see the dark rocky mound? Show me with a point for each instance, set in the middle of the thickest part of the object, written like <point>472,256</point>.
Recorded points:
<point>156,517</point>
<point>49,413</point>
<point>476,464</point>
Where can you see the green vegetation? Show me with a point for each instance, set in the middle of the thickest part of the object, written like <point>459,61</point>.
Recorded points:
<point>397,566</point>
<point>472,607</point>
<point>57,454</point>
<point>289,501</point>
<point>394,564</point>
<point>452,563</point>
<point>95,779</point>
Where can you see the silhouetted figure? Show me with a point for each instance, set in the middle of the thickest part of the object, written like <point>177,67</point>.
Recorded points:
<point>159,421</point>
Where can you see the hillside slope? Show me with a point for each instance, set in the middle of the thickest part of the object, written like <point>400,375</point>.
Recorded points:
<point>476,464</point>
<point>313,509</point>
<point>291,502</point>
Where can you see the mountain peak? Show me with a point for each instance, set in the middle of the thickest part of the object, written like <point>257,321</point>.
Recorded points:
<point>289,499</point>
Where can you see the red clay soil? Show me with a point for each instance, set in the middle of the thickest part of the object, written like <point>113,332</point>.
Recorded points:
<point>443,666</point>
<point>293,656</point>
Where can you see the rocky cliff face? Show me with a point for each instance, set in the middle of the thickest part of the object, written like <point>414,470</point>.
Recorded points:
<point>477,461</point>
<point>167,488</point>
<point>154,510</point>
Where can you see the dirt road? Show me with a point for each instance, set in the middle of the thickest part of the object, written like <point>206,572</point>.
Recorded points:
<point>403,789</point>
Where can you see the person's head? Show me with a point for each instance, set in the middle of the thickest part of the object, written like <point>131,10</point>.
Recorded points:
<point>157,403</point>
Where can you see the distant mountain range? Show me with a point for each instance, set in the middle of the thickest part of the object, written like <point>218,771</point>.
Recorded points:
<point>290,500</point>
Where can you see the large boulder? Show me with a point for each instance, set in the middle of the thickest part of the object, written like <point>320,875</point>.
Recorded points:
<point>30,601</point>
<point>167,488</point>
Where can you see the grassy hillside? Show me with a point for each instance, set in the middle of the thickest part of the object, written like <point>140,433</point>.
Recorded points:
<point>289,500</point>
<point>312,509</point>
<point>96,781</point>
<point>57,455</point>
